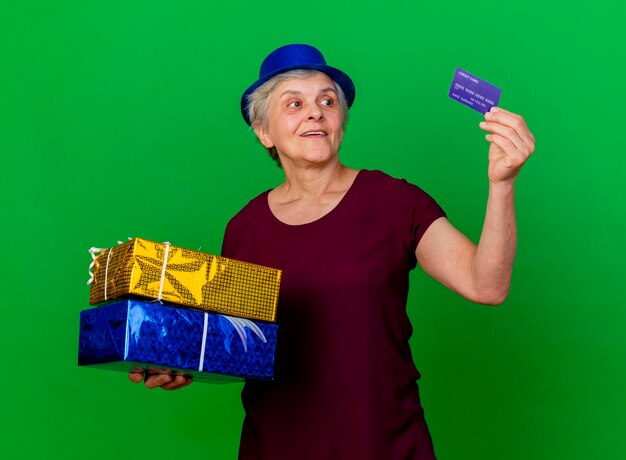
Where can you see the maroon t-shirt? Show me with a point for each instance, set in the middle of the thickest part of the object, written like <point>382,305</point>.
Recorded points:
<point>345,383</point>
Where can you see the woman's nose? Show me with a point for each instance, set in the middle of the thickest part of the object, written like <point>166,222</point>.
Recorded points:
<point>315,113</point>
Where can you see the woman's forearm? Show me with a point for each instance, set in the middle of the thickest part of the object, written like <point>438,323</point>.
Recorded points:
<point>493,262</point>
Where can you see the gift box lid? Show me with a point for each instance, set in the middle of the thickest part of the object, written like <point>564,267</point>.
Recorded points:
<point>179,276</point>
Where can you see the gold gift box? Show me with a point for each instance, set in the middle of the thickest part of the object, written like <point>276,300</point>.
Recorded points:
<point>191,278</point>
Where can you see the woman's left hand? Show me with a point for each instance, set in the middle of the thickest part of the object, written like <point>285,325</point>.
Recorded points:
<point>511,141</point>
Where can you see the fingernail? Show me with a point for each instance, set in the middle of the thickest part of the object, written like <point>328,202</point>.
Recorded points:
<point>482,124</point>
<point>488,115</point>
<point>494,109</point>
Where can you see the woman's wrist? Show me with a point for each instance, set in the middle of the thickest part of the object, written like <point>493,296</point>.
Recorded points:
<point>505,187</point>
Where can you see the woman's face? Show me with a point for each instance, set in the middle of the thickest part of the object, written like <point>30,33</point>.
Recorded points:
<point>304,120</point>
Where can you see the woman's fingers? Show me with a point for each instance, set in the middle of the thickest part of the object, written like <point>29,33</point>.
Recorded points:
<point>163,378</point>
<point>512,121</point>
<point>513,157</point>
<point>504,131</point>
<point>179,381</point>
<point>511,131</point>
<point>158,380</point>
<point>168,381</point>
<point>135,377</point>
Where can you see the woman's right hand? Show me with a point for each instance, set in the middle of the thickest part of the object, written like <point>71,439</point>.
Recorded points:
<point>163,378</point>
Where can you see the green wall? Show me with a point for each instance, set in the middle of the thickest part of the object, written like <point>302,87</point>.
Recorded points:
<point>121,118</point>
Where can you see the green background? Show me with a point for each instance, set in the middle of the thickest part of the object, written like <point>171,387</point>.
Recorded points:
<point>121,118</point>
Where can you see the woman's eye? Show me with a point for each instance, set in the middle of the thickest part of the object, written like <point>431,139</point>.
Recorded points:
<point>294,104</point>
<point>327,102</point>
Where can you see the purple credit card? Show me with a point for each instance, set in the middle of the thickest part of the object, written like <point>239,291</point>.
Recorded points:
<point>470,90</point>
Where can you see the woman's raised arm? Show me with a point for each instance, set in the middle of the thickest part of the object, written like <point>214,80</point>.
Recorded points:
<point>482,273</point>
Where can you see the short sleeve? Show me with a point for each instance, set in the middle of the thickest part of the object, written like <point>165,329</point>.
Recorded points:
<point>425,212</point>
<point>422,210</point>
<point>227,242</point>
<point>241,227</point>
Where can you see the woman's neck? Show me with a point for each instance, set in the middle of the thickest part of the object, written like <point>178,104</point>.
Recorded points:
<point>312,181</point>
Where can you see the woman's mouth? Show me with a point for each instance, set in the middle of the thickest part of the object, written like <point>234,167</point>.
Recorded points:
<point>314,134</point>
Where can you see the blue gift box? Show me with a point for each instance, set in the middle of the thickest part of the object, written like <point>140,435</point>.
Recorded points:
<point>129,333</point>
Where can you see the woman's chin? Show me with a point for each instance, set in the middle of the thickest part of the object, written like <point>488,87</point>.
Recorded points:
<point>321,160</point>
<point>320,156</point>
<point>311,158</point>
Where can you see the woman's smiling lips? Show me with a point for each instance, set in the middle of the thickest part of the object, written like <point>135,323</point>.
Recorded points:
<point>317,133</point>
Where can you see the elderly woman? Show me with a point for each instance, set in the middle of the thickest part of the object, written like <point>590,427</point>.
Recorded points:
<point>345,383</point>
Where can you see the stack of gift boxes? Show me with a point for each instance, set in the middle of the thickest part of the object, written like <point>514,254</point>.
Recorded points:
<point>162,308</point>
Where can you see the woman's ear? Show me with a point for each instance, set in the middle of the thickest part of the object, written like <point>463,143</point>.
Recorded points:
<point>262,134</point>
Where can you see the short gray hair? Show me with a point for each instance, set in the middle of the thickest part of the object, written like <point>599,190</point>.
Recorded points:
<point>258,102</point>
